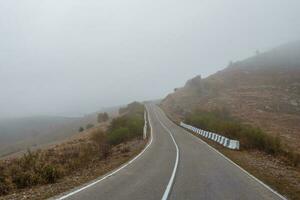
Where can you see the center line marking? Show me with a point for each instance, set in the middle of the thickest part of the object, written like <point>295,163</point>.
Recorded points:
<point>171,181</point>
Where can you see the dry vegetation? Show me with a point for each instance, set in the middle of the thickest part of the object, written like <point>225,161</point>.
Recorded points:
<point>265,98</point>
<point>263,155</point>
<point>256,101</point>
<point>48,166</point>
<point>251,138</point>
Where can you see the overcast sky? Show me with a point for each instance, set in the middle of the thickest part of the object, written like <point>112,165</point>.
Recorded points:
<point>70,57</point>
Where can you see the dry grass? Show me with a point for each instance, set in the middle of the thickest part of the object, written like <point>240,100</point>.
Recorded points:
<point>45,166</point>
<point>251,138</point>
<point>273,171</point>
<point>49,166</point>
<point>276,172</point>
<point>82,175</point>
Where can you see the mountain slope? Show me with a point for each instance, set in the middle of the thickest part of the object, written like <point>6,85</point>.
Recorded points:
<point>19,134</point>
<point>263,90</point>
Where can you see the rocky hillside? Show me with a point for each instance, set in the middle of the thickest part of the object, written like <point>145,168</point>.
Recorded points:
<point>263,90</point>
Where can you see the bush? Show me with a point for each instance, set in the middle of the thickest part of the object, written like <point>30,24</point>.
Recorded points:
<point>47,166</point>
<point>250,137</point>
<point>128,126</point>
<point>135,127</point>
<point>24,179</point>
<point>25,171</point>
<point>50,173</point>
<point>118,136</point>
<point>102,117</point>
<point>134,108</point>
<point>80,129</point>
<point>100,138</point>
<point>5,185</point>
<point>5,182</point>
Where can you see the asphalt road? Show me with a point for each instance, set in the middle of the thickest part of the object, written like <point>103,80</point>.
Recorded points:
<point>175,165</point>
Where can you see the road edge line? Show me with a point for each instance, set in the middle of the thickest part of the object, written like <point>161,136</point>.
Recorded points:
<point>229,160</point>
<point>171,181</point>
<point>235,164</point>
<point>115,171</point>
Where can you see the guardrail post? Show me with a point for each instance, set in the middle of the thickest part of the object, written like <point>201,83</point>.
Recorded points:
<point>231,144</point>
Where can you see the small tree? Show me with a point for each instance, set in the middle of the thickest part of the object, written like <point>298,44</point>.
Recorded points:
<point>103,117</point>
<point>80,129</point>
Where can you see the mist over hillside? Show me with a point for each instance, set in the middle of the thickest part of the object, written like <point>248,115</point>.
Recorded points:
<point>286,55</point>
<point>22,133</point>
<point>263,90</point>
<point>67,58</point>
<point>17,134</point>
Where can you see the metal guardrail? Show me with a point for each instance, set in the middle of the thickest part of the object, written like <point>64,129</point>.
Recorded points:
<point>228,143</point>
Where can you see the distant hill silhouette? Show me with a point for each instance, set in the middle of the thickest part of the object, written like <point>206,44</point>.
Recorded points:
<point>19,134</point>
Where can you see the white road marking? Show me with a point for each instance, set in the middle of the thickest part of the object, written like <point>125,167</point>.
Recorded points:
<point>171,181</point>
<point>114,172</point>
<point>243,170</point>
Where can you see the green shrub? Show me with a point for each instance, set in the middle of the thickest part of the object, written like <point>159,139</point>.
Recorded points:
<point>118,122</point>
<point>250,137</point>
<point>47,166</point>
<point>135,127</point>
<point>118,136</point>
<point>134,108</point>
<point>128,126</point>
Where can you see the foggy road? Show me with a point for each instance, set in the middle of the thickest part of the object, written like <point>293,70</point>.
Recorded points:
<point>175,165</point>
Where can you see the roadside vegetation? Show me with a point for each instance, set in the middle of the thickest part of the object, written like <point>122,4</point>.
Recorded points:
<point>250,137</point>
<point>128,126</point>
<point>80,129</point>
<point>88,126</point>
<point>102,117</point>
<point>49,165</point>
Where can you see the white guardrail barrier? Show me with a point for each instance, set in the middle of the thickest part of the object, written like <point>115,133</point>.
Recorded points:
<point>145,126</point>
<point>231,144</point>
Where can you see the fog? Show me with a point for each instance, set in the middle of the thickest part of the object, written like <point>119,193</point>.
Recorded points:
<point>71,57</point>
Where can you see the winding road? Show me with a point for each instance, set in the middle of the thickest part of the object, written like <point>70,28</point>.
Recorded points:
<point>175,165</point>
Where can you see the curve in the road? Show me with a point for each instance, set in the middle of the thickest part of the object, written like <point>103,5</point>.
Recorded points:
<point>171,181</point>
<point>184,137</point>
<point>115,171</point>
<point>190,169</point>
